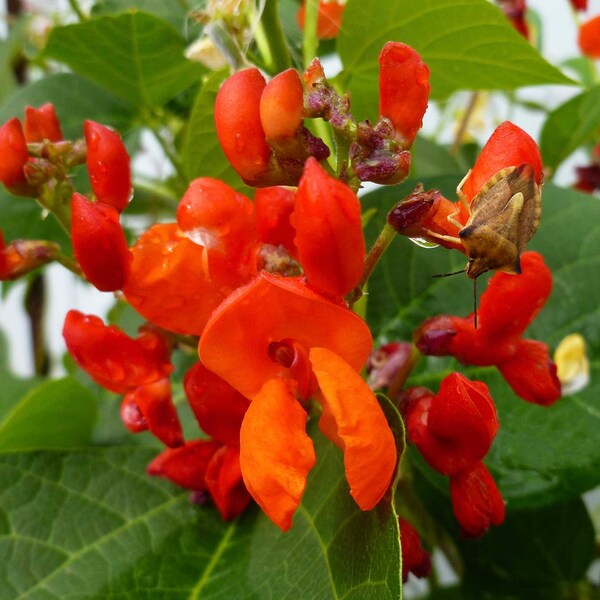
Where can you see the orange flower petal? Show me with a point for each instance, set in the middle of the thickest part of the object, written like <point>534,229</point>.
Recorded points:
<point>589,38</point>
<point>276,454</point>
<point>368,444</point>
<point>235,342</point>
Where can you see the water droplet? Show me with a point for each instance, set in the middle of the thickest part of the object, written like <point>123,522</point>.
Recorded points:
<point>423,243</point>
<point>240,145</point>
<point>102,167</point>
<point>93,140</point>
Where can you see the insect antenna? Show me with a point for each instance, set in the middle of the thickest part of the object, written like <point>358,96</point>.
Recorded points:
<point>450,274</point>
<point>475,303</point>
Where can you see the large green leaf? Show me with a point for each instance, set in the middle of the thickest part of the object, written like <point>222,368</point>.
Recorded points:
<point>84,100</point>
<point>55,414</point>
<point>570,126</point>
<point>467,45</point>
<point>201,153</point>
<point>540,455</point>
<point>100,528</point>
<point>137,56</point>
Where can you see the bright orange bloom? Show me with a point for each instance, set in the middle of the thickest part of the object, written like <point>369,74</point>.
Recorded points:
<point>274,208</point>
<point>294,345</point>
<point>589,38</point>
<point>329,18</point>
<point>42,124</point>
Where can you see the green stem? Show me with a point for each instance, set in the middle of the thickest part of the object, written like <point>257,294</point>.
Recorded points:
<point>77,10</point>
<point>387,234</point>
<point>464,123</point>
<point>270,39</point>
<point>310,43</point>
<point>154,127</point>
<point>68,263</point>
<point>221,37</point>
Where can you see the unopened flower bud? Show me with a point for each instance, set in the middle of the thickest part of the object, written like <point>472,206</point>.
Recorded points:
<point>42,124</point>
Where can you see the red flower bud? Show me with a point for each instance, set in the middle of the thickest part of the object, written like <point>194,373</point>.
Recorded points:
<point>153,401</point>
<point>281,107</point>
<point>219,408</point>
<point>414,558</point>
<point>455,428</point>
<point>515,12</point>
<point>329,233</point>
<point>108,165</point>
<point>579,4</point>
<point>23,256</point>
<point>99,243</point>
<point>238,123</point>
<point>329,18</point>
<point>476,501</point>
<point>508,146</point>
<point>274,208</point>
<point>113,359</point>
<point>13,154</point>
<point>403,90</point>
<point>589,38</point>
<point>42,124</point>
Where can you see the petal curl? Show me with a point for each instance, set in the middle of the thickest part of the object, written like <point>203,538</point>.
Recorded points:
<point>368,443</point>
<point>276,454</point>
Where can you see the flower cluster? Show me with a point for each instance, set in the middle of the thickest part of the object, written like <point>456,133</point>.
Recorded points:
<point>453,430</point>
<point>507,307</point>
<point>267,144</point>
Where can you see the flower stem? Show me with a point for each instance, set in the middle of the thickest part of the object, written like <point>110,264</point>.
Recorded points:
<point>68,263</point>
<point>464,123</point>
<point>387,234</point>
<point>77,10</point>
<point>270,39</point>
<point>309,41</point>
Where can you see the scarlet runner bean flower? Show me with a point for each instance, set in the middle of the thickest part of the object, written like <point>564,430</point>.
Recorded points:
<point>579,4</point>
<point>42,124</point>
<point>507,307</point>
<point>274,208</point>
<point>589,38</point>
<point>99,243</point>
<point>515,11</point>
<point>414,558</point>
<point>329,18</point>
<point>13,155</point>
<point>295,345</point>
<point>329,235</point>
<point>180,273</point>
<point>454,430</point>
<point>108,165</point>
<point>138,368</point>
<point>210,465</point>
<point>428,215</point>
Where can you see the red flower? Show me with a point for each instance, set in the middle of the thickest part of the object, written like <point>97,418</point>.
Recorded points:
<point>589,38</point>
<point>329,233</point>
<point>13,155</point>
<point>329,18</point>
<point>579,4</point>
<point>515,11</point>
<point>507,307</point>
<point>403,90</point>
<point>108,165</point>
<point>476,501</point>
<point>239,126</point>
<point>428,215</point>
<point>295,345</point>
<point>23,256</point>
<point>414,558</point>
<point>42,124</point>
<point>99,243</point>
<point>138,368</point>
<point>211,465</point>
<point>455,428</point>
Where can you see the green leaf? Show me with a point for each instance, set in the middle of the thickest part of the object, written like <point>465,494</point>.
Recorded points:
<point>106,530</point>
<point>55,414</point>
<point>84,100</point>
<point>571,125</point>
<point>467,46</point>
<point>169,10</point>
<point>137,56</point>
<point>541,455</point>
<point>430,160</point>
<point>201,152</point>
